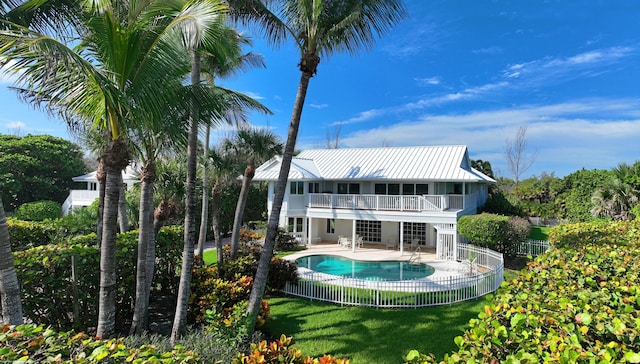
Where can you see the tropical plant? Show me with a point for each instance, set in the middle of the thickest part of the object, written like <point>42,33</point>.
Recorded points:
<point>38,211</point>
<point>617,198</point>
<point>318,28</point>
<point>222,62</point>
<point>127,64</point>
<point>255,146</point>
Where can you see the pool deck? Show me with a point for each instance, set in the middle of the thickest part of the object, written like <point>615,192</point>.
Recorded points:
<point>442,268</point>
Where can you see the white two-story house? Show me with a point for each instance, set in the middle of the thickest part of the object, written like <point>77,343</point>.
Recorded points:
<point>91,191</point>
<point>403,197</point>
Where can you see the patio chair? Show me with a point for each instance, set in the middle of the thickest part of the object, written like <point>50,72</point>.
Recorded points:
<point>344,242</point>
<point>358,242</point>
<point>414,243</point>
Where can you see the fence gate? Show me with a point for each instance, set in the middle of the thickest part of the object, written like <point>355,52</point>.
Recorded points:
<point>446,246</point>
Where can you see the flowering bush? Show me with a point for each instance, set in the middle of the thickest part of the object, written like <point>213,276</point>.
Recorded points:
<point>280,351</point>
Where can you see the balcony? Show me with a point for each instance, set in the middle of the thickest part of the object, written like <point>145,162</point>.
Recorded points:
<point>432,203</point>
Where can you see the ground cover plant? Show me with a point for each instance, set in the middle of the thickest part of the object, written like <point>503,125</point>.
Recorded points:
<point>576,303</point>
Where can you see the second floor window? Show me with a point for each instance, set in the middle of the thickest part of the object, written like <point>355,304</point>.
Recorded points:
<point>349,188</point>
<point>314,187</point>
<point>297,188</point>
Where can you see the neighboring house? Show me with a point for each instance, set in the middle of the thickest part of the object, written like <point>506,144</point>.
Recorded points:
<point>396,197</point>
<point>86,196</point>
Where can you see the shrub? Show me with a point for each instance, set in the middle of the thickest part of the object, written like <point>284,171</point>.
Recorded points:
<point>49,293</point>
<point>37,344</point>
<point>600,232</point>
<point>578,303</point>
<point>497,232</point>
<point>28,234</point>
<point>38,211</point>
<point>280,351</point>
<point>285,241</point>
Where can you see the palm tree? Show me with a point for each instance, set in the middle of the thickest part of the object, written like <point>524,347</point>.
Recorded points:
<point>617,198</point>
<point>255,146</point>
<point>319,28</point>
<point>9,285</point>
<point>128,64</point>
<point>223,170</point>
<point>224,61</point>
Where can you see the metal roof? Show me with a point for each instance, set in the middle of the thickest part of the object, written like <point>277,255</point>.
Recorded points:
<point>129,174</point>
<point>433,163</point>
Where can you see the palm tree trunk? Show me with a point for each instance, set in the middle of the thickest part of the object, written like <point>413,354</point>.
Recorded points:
<point>123,220</point>
<point>116,157</point>
<point>249,172</point>
<point>108,277</point>
<point>180,319</point>
<point>146,238</point>
<point>9,285</point>
<point>101,176</point>
<point>204,218</point>
<point>260,281</point>
<point>216,194</point>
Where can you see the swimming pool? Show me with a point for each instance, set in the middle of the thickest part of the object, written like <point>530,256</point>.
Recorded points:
<point>389,270</point>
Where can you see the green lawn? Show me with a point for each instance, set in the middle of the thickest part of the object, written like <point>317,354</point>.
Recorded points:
<point>367,335</point>
<point>539,232</point>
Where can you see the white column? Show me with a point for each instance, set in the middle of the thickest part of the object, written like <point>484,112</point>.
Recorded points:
<point>401,237</point>
<point>309,231</point>
<point>353,235</point>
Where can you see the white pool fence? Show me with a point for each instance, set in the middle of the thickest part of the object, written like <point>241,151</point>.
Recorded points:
<point>533,247</point>
<point>480,272</point>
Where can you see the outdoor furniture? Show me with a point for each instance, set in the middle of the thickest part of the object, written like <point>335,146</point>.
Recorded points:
<point>358,242</point>
<point>344,242</point>
<point>391,244</point>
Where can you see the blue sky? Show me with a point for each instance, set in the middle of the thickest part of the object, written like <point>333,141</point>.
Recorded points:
<point>460,72</point>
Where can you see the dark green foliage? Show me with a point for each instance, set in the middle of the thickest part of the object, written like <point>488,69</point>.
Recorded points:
<point>48,290</point>
<point>496,232</point>
<point>285,241</point>
<point>255,210</point>
<point>499,203</point>
<point>38,211</point>
<point>575,199</point>
<point>80,221</point>
<point>36,168</point>
<point>37,344</point>
<point>574,304</point>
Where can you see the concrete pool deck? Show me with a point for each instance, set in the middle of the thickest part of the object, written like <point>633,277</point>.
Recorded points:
<point>442,268</point>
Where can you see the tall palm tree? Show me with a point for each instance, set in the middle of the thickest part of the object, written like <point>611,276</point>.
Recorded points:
<point>10,287</point>
<point>224,169</point>
<point>226,60</point>
<point>254,146</point>
<point>318,28</point>
<point>128,64</point>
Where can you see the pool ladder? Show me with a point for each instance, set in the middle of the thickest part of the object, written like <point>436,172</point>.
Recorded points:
<point>415,257</point>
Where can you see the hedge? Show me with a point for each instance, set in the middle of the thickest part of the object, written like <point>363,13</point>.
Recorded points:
<point>572,304</point>
<point>39,211</point>
<point>28,234</point>
<point>496,232</point>
<point>49,292</point>
<point>599,232</point>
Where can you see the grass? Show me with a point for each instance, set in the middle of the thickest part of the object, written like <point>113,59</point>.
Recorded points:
<point>539,232</point>
<point>368,335</point>
<point>210,257</point>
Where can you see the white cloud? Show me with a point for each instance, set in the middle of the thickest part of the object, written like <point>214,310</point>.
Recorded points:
<point>597,133</point>
<point>253,95</point>
<point>319,106</point>
<point>428,81</point>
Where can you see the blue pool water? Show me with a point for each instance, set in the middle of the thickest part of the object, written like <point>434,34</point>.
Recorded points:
<point>389,270</point>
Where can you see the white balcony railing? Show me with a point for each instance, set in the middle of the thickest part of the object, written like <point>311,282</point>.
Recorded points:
<point>391,203</point>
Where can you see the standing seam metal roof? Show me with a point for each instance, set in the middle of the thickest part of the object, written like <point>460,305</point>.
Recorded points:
<point>449,163</point>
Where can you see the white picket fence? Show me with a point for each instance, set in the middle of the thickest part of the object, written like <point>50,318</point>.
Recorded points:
<point>482,275</point>
<point>533,247</point>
